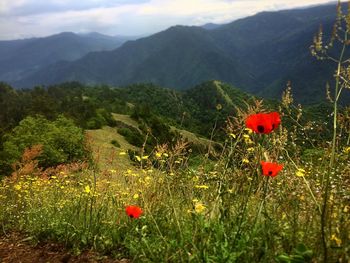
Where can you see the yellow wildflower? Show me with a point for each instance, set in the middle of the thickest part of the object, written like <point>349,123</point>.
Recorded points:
<point>346,150</point>
<point>247,139</point>
<point>300,172</point>
<point>336,239</point>
<point>233,135</point>
<point>199,208</point>
<point>250,131</point>
<point>87,189</point>
<point>245,160</point>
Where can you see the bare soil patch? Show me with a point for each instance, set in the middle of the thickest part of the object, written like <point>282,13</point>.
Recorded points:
<point>15,249</point>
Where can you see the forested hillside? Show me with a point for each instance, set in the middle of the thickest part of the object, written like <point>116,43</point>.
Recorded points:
<point>20,58</point>
<point>259,54</point>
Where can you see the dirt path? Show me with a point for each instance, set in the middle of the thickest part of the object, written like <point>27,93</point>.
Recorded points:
<point>14,249</point>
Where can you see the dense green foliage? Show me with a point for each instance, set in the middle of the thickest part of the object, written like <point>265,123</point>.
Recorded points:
<point>194,109</point>
<point>61,141</point>
<point>67,99</point>
<point>199,110</point>
<point>132,136</point>
<point>157,132</point>
<point>203,110</point>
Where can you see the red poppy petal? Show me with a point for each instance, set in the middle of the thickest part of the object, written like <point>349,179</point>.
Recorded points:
<point>251,122</point>
<point>133,211</point>
<point>275,119</point>
<point>271,169</point>
<point>263,122</point>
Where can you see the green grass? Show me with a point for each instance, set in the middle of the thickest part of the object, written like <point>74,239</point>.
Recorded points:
<point>106,154</point>
<point>191,137</point>
<point>127,120</point>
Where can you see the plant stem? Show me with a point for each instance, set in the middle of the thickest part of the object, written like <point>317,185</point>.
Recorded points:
<point>175,214</point>
<point>337,92</point>
<point>266,184</point>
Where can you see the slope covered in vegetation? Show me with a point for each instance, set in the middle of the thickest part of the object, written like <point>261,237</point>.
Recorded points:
<point>258,54</point>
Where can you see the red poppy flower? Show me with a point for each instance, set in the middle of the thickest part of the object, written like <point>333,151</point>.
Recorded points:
<point>271,169</point>
<point>133,211</point>
<point>263,122</point>
<point>275,119</point>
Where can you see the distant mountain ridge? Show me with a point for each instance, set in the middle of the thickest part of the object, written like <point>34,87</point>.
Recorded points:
<point>210,26</point>
<point>19,58</point>
<point>258,54</point>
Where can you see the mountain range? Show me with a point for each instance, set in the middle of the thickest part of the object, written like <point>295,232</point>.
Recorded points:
<point>258,54</point>
<point>20,58</point>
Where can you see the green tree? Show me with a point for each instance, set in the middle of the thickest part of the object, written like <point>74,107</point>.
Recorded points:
<point>62,141</point>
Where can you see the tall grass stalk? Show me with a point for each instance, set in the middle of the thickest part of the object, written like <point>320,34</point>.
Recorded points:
<point>337,92</point>
<point>341,81</point>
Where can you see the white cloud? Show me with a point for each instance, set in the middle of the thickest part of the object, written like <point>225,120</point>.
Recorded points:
<point>9,5</point>
<point>20,18</point>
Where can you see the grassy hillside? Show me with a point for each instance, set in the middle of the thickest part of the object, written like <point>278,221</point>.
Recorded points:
<point>106,154</point>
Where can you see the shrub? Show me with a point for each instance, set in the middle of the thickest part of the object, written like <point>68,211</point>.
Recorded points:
<point>95,123</point>
<point>62,141</point>
<point>132,136</point>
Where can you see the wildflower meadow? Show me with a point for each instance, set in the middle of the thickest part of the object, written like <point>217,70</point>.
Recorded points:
<point>273,188</point>
<point>255,200</point>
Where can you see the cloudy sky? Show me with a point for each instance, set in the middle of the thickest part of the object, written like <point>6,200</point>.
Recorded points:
<point>28,18</point>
